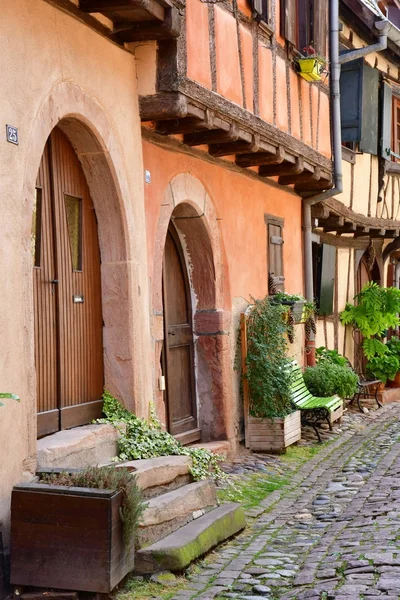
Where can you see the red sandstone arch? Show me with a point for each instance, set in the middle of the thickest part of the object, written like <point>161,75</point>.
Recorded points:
<point>187,203</point>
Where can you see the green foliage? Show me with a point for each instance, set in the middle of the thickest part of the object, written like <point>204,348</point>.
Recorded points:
<point>376,311</point>
<point>268,370</point>
<point>107,478</point>
<point>328,378</point>
<point>142,439</point>
<point>285,297</point>
<point>393,346</point>
<point>383,367</point>
<point>8,395</point>
<point>322,354</point>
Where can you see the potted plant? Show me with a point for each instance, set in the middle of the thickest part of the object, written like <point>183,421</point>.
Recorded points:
<point>376,310</point>
<point>75,530</point>
<point>273,423</point>
<point>328,378</point>
<point>311,65</point>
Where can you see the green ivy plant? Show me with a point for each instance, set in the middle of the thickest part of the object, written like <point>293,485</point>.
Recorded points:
<point>375,311</point>
<point>8,395</point>
<point>328,378</point>
<point>107,478</point>
<point>142,439</point>
<point>268,367</point>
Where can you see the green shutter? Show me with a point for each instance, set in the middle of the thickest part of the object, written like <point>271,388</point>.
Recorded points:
<point>386,116</point>
<point>326,280</point>
<point>359,105</point>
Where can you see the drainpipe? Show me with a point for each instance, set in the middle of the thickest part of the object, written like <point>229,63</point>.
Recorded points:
<point>335,61</point>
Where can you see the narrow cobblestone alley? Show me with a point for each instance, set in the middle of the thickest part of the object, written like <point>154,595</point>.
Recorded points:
<point>334,534</point>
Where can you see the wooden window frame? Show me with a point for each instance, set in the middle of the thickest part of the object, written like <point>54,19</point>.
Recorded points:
<point>304,24</point>
<point>262,12</point>
<point>395,145</point>
<point>277,222</point>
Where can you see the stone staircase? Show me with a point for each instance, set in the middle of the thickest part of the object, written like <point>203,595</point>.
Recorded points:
<point>182,519</point>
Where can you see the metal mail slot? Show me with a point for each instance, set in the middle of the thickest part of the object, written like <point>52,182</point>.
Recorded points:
<point>78,299</point>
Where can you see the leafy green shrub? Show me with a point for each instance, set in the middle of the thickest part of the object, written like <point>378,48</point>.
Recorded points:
<point>384,367</point>
<point>268,370</point>
<point>322,354</point>
<point>393,346</point>
<point>140,439</point>
<point>107,478</point>
<point>328,378</point>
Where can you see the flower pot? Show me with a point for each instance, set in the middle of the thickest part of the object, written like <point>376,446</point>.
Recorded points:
<point>395,382</point>
<point>67,538</point>
<point>310,69</point>
<point>274,435</point>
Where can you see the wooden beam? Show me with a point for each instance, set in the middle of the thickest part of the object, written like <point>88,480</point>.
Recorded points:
<point>176,126</point>
<point>154,30</point>
<point>283,170</point>
<point>159,107</point>
<point>228,134</point>
<point>241,147</point>
<point>300,176</point>
<point>261,158</point>
<point>152,7</point>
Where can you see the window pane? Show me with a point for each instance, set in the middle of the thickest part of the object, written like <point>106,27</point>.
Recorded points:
<point>36,227</point>
<point>73,209</point>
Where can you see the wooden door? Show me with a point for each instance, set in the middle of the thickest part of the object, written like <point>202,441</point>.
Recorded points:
<point>67,293</point>
<point>178,347</point>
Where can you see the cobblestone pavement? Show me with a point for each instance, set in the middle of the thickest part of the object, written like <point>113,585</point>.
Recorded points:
<point>335,533</point>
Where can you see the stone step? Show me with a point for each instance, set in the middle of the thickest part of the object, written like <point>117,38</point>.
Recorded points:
<point>156,476</point>
<point>80,447</point>
<point>222,447</point>
<point>166,513</point>
<point>176,551</point>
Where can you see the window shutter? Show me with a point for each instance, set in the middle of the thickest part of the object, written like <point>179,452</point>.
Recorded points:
<point>275,255</point>
<point>359,89</point>
<point>370,110</point>
<point>289,21</point>
<point>386,115</point>
<point>257,6</point>
<point>320,14</point>
<point>326,280</point>
<point>351,100</point>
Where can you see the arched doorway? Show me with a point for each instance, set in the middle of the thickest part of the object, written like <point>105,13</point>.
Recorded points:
<point>178,350</point>
<point>67,292</point>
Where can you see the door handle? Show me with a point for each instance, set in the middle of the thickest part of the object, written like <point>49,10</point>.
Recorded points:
<point>54,281</point>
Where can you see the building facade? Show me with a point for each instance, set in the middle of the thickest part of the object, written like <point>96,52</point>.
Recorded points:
<point>153,166</point>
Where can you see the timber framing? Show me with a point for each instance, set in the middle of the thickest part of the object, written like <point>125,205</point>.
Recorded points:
<point>130,20</point>
<point>205,118</point>
<point>333,216</point>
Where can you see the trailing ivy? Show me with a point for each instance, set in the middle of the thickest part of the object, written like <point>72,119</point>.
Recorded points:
<point>268,367</point>
<point>142,439</point>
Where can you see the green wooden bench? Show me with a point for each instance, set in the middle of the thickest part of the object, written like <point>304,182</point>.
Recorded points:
<point>313,410</point>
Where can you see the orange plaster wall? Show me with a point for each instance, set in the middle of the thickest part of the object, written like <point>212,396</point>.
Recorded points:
<point>198,49</point>
<point>247,53</point>
<point>228,66</point>
<point>240,204</point>
<point>315,111</point>
<point>281,95</point>
<point>324,127</point>
<point>306,111</point>
<point>244,7</point>
<point>266,83</point>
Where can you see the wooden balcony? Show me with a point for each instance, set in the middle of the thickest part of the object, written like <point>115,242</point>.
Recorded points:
<point>207,119</point>
<point>130,20</point>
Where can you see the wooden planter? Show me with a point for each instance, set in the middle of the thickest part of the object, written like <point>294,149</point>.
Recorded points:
<point>273,435</point>
<point>67,538</point>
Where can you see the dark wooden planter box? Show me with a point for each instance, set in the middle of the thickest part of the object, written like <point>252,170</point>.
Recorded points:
<point>67,538</point>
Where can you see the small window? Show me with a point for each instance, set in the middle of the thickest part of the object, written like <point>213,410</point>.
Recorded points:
<point>275,250</point>
<point>261,10</point>
<point>73,209</point>
<point>304,24</point>
<point>395,146</point>
<point>36,233</point>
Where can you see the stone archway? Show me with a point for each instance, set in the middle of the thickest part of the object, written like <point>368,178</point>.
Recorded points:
<point>124,291</point>
<point>188,205</point>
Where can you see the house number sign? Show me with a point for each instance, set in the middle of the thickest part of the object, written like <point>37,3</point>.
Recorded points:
<point>12,134</point>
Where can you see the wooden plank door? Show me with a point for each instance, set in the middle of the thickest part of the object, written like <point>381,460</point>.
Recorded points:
<point>178,347</point>
<point>70,384</point>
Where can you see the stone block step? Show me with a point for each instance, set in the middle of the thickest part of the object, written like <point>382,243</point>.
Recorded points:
<point>156,476</point>
<point>222,447</point>
<point>80,447</point>
<point>166,513</point>
<point>176,551</point>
